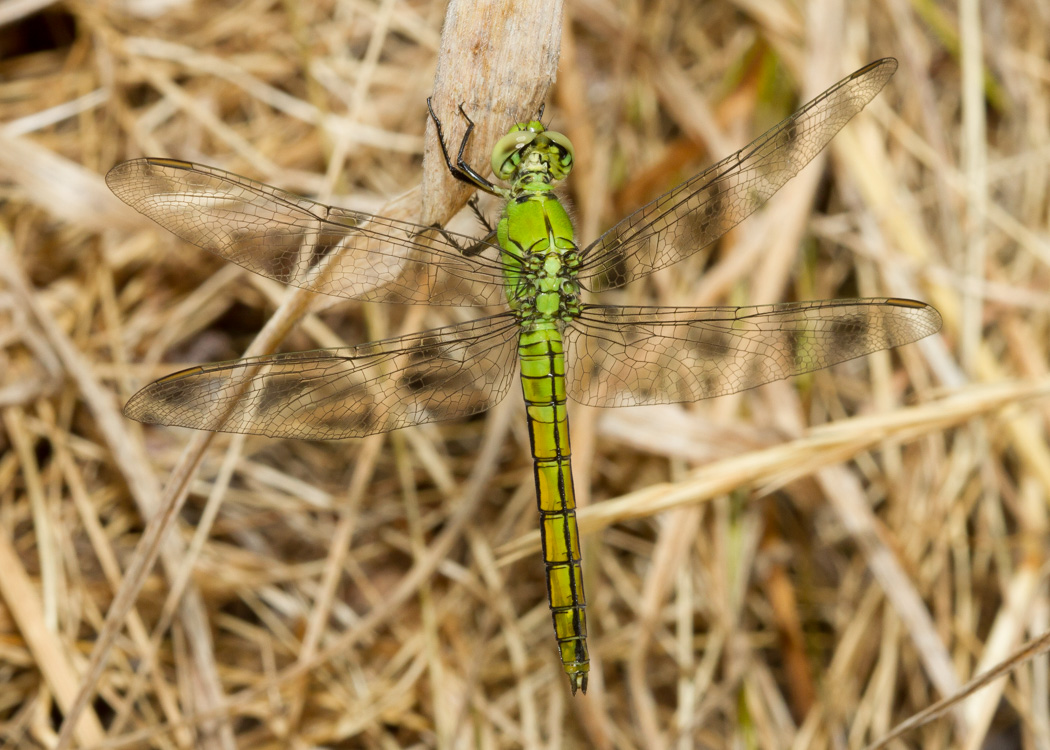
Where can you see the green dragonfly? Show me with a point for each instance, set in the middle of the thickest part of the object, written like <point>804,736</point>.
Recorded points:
<point>530,264</point>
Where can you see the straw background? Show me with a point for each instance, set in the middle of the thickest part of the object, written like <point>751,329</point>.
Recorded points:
<point>804,565</point>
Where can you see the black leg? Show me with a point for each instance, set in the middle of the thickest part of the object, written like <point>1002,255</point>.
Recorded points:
<point>461,170</point>
<point>479,247</point>
<point>476,208</point>
<point>476,248</point>
<point>462,164</point>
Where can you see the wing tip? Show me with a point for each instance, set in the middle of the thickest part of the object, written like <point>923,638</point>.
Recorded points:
<point>119,173</point>
<point>887,64</point>
<point>929,314</point>
<point>138,408</point>
<point>157,404</point>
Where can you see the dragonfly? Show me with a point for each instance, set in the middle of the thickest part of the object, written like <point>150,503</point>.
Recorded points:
<point>530,264</point>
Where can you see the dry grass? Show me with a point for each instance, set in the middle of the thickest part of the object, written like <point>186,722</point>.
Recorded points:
<point>804,565</point>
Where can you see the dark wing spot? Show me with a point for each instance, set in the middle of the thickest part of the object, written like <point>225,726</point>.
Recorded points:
<point>698,227</point>
<point>851,327</point>
<point>633,334</point>
<point>712,342</point>
<point>273,256</point>
<point>427,349</point>
<point>789,135</point>
<point>325,243</point>
<point>795,341</point>
<point>709,384</point>
<point>419,380</point>
<point>361,419</point>
<point>848,335</point>
<point>278,390</point>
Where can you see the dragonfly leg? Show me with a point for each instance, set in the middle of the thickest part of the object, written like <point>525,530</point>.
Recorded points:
<point>468,251</point>
<point>479,247</point>
<point>476,208</point>
<point>461,170</point>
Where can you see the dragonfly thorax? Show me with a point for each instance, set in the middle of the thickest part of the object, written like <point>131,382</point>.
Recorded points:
<point>542,259</point>
<point>550,286</point>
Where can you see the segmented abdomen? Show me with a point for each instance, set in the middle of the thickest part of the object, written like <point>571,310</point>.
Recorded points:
<point>543,384</point>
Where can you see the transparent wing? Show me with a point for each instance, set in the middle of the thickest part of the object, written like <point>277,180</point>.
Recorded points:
<point>340,393</point>
<point>702,209</point>
<point>626,356</point>
<point>286,237</point>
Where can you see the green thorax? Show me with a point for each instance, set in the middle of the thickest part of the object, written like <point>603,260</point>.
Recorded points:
<point>541,257</point>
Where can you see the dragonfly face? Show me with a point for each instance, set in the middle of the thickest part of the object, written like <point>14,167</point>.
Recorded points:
<point>530,149</point>
<point>599,355</point>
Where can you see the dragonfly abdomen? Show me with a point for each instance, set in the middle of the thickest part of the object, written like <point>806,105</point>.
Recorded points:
<point>543,385</point>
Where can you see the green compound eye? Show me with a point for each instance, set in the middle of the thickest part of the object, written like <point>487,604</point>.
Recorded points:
<point>506,155</point>
<point>563,165</point>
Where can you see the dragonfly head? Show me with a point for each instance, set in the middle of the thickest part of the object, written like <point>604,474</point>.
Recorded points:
<point>529,146</point>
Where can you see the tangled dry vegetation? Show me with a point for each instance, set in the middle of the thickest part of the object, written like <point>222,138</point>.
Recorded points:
<point>804,565</point>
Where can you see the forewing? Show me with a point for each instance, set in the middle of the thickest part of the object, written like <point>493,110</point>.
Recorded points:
<point>627,356</point>
<point>286,237</point>
<point>702,209</point>
<point>340,393</point>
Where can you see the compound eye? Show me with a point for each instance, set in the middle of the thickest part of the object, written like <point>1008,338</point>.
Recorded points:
<point>561,154</point>
<point>562,142</point>
<point>506,155</point>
